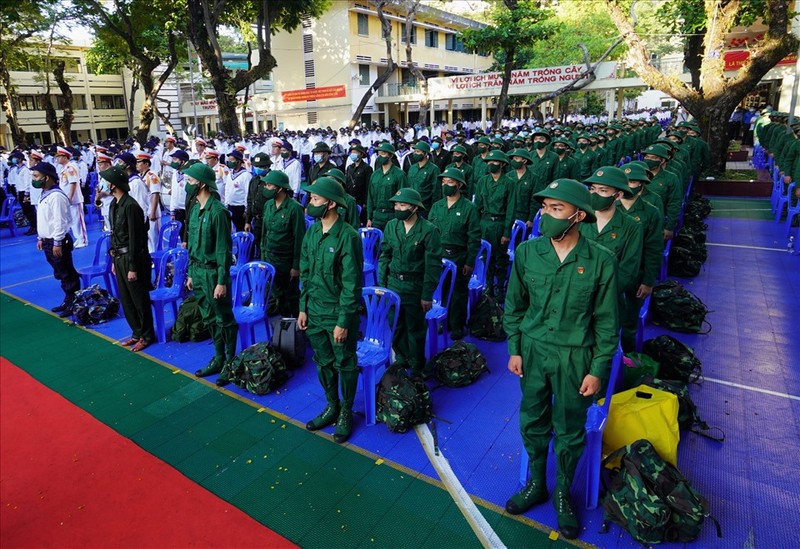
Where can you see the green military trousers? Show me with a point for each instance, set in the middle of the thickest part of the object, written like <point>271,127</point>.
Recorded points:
<point>412,329</point>
<point>217,313</point>
<point>551,404</point>
<point>135,297</point>
<point>337,365</point>
<point>492,232</point>
<point>285,290</point>
<point>457,314</point>
<point>629,308</point>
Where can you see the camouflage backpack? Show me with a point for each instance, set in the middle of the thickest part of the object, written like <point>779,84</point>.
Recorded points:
<point>459,365</point>
<point>688,416</point>
<point>403,401</point>
<point>486,320</point>
<point>683,262</point>
<point>676,308</point>
<point>259,369</point>
<point>651,499</point>
<point>93,305</point>
<point>189,325</point>
<point>676,359</point>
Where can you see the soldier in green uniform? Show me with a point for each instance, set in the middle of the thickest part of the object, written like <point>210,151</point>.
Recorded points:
<point>562,324</point>
<point>665,185</point>
<point>350,213</point>
<point>543,161</point>
<point>210,257</point>
<point>131,259</point>
<point>384,183</point>
<point>566,168</point>
<point>652,223</point>
<point>460,228</point>
<point>521,175</point>
<point>585,157</point>
<point>410,264</point>
<point>479,168</point>
<point>331,270</point>
<point>495,199</point>
<point>461,161</point>
<point>283,228</point>
<point>422,176</point>
<point>647,195</point>
<point>255,194</point>
<point>320,161</point>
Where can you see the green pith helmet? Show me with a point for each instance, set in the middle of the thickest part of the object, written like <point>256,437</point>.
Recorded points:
<point>203,173</point>
<point>277,178</point>
<point>610,176</point>
<point>328,187</point>
<point>407,195</point>
<point>116,176</point>
<point>571,192</point>
<point>453,173</point>
<point>498,155</point>
<point>636,172</point>
<point>386,147</point>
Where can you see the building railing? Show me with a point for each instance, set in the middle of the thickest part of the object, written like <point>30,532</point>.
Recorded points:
<point>399,88</point>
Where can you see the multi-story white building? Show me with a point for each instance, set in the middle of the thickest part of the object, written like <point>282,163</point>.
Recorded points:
<point>100,101</point>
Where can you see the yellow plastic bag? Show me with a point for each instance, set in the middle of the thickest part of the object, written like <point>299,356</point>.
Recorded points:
<point>643,412</point>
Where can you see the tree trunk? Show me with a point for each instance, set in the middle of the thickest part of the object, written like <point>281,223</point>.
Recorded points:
<point>50,115</point>
<point>713,117</point>
<point>165,117</point>
<point>147,112</point>
<point>11,107</point>
<point>226,106</point>
<point>132,102</point>
<point>65,123</point>
<point>502,98</point>
<point>386,32</point>
<point>693,57</point>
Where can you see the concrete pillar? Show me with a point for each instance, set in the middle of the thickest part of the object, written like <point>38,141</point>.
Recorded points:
<point>620,101</point>
<point>386,115</point>
<point>483,113</point>
<point>450,113</point>
<point>556,104</point>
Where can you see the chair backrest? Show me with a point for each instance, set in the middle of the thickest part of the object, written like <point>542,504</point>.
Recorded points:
<point>7,208</point>
<point>92,179</point>
<point>243,247</point>
<point>535,229</point>
<point>614,377</point>
<point>101,250</point>
<point>383,311</point>
<point>179,258</point>
<point>169,235</point>
<point>446,279</point>
<point>371,240</point>
<point>309,221</point>
<point>254,279</point>
<point>517,234</point>
<point>481,269</point>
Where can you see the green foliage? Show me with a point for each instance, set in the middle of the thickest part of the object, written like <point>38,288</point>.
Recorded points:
<point>512,30</point>
<point>689,16</point>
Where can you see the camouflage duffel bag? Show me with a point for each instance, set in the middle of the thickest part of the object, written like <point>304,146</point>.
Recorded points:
<point>94,305</point>
<point>651,499</point>
<point>403,401</point>
<point>459,365</point>
<point>259,369</point>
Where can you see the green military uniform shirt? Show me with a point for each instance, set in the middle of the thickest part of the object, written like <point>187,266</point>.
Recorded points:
<point>460,229</point>
<point>566,167</point>
<point>282,230</point>
<point>669,189</point>
<point>416,254</point>
<point>586,162</point>
<point>469,177</point>
<point>332,273</point>
<point>255,199</point>
<point>524,205</point>
<point>543,169</point>
<point>652,222</point>
<point>424,181</point>
<point>318,170</point>
<point>382,187</point>
<point>129,230</point>
<point>210,243</point>
<point>623,237</point>
<point>496,201</point>
<point>564,304</point>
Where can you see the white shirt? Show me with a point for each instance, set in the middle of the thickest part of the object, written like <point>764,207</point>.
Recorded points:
<point>22,179</point>
<point>153,184</point>
<point>69,177</point>
<point>292,168</point>
<point>236,188</point>
<point>178,192</point>
<point>54,215</point>
<point>139,192</point>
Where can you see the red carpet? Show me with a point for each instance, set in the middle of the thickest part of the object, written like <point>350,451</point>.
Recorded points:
<point>67,480</point>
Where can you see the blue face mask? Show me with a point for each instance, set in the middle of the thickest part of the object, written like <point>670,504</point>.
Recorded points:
<point>317,158</point>
<point>259,171</point>
<point>354,157</point>
<point>434,145</point>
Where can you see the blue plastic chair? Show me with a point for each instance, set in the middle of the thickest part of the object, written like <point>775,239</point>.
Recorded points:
<point>168,238</point>
<point>371,240</point>
<point>518,230</point>
<point>535,229</point>
<point>257,277</point>
<point>438,332</point>
<point>664,263</point>
<point>7,214</point>
<point>242,251</point>
<point>171,294</point>
<point>784,200</point>
<point>477,282</point>
<point>644,313</point>
<point>777,191</point>
<point>309,221</point>
<point>374,350</point>
<point>101,266</point>
<point>596,418</point>
<point>791,211</point>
